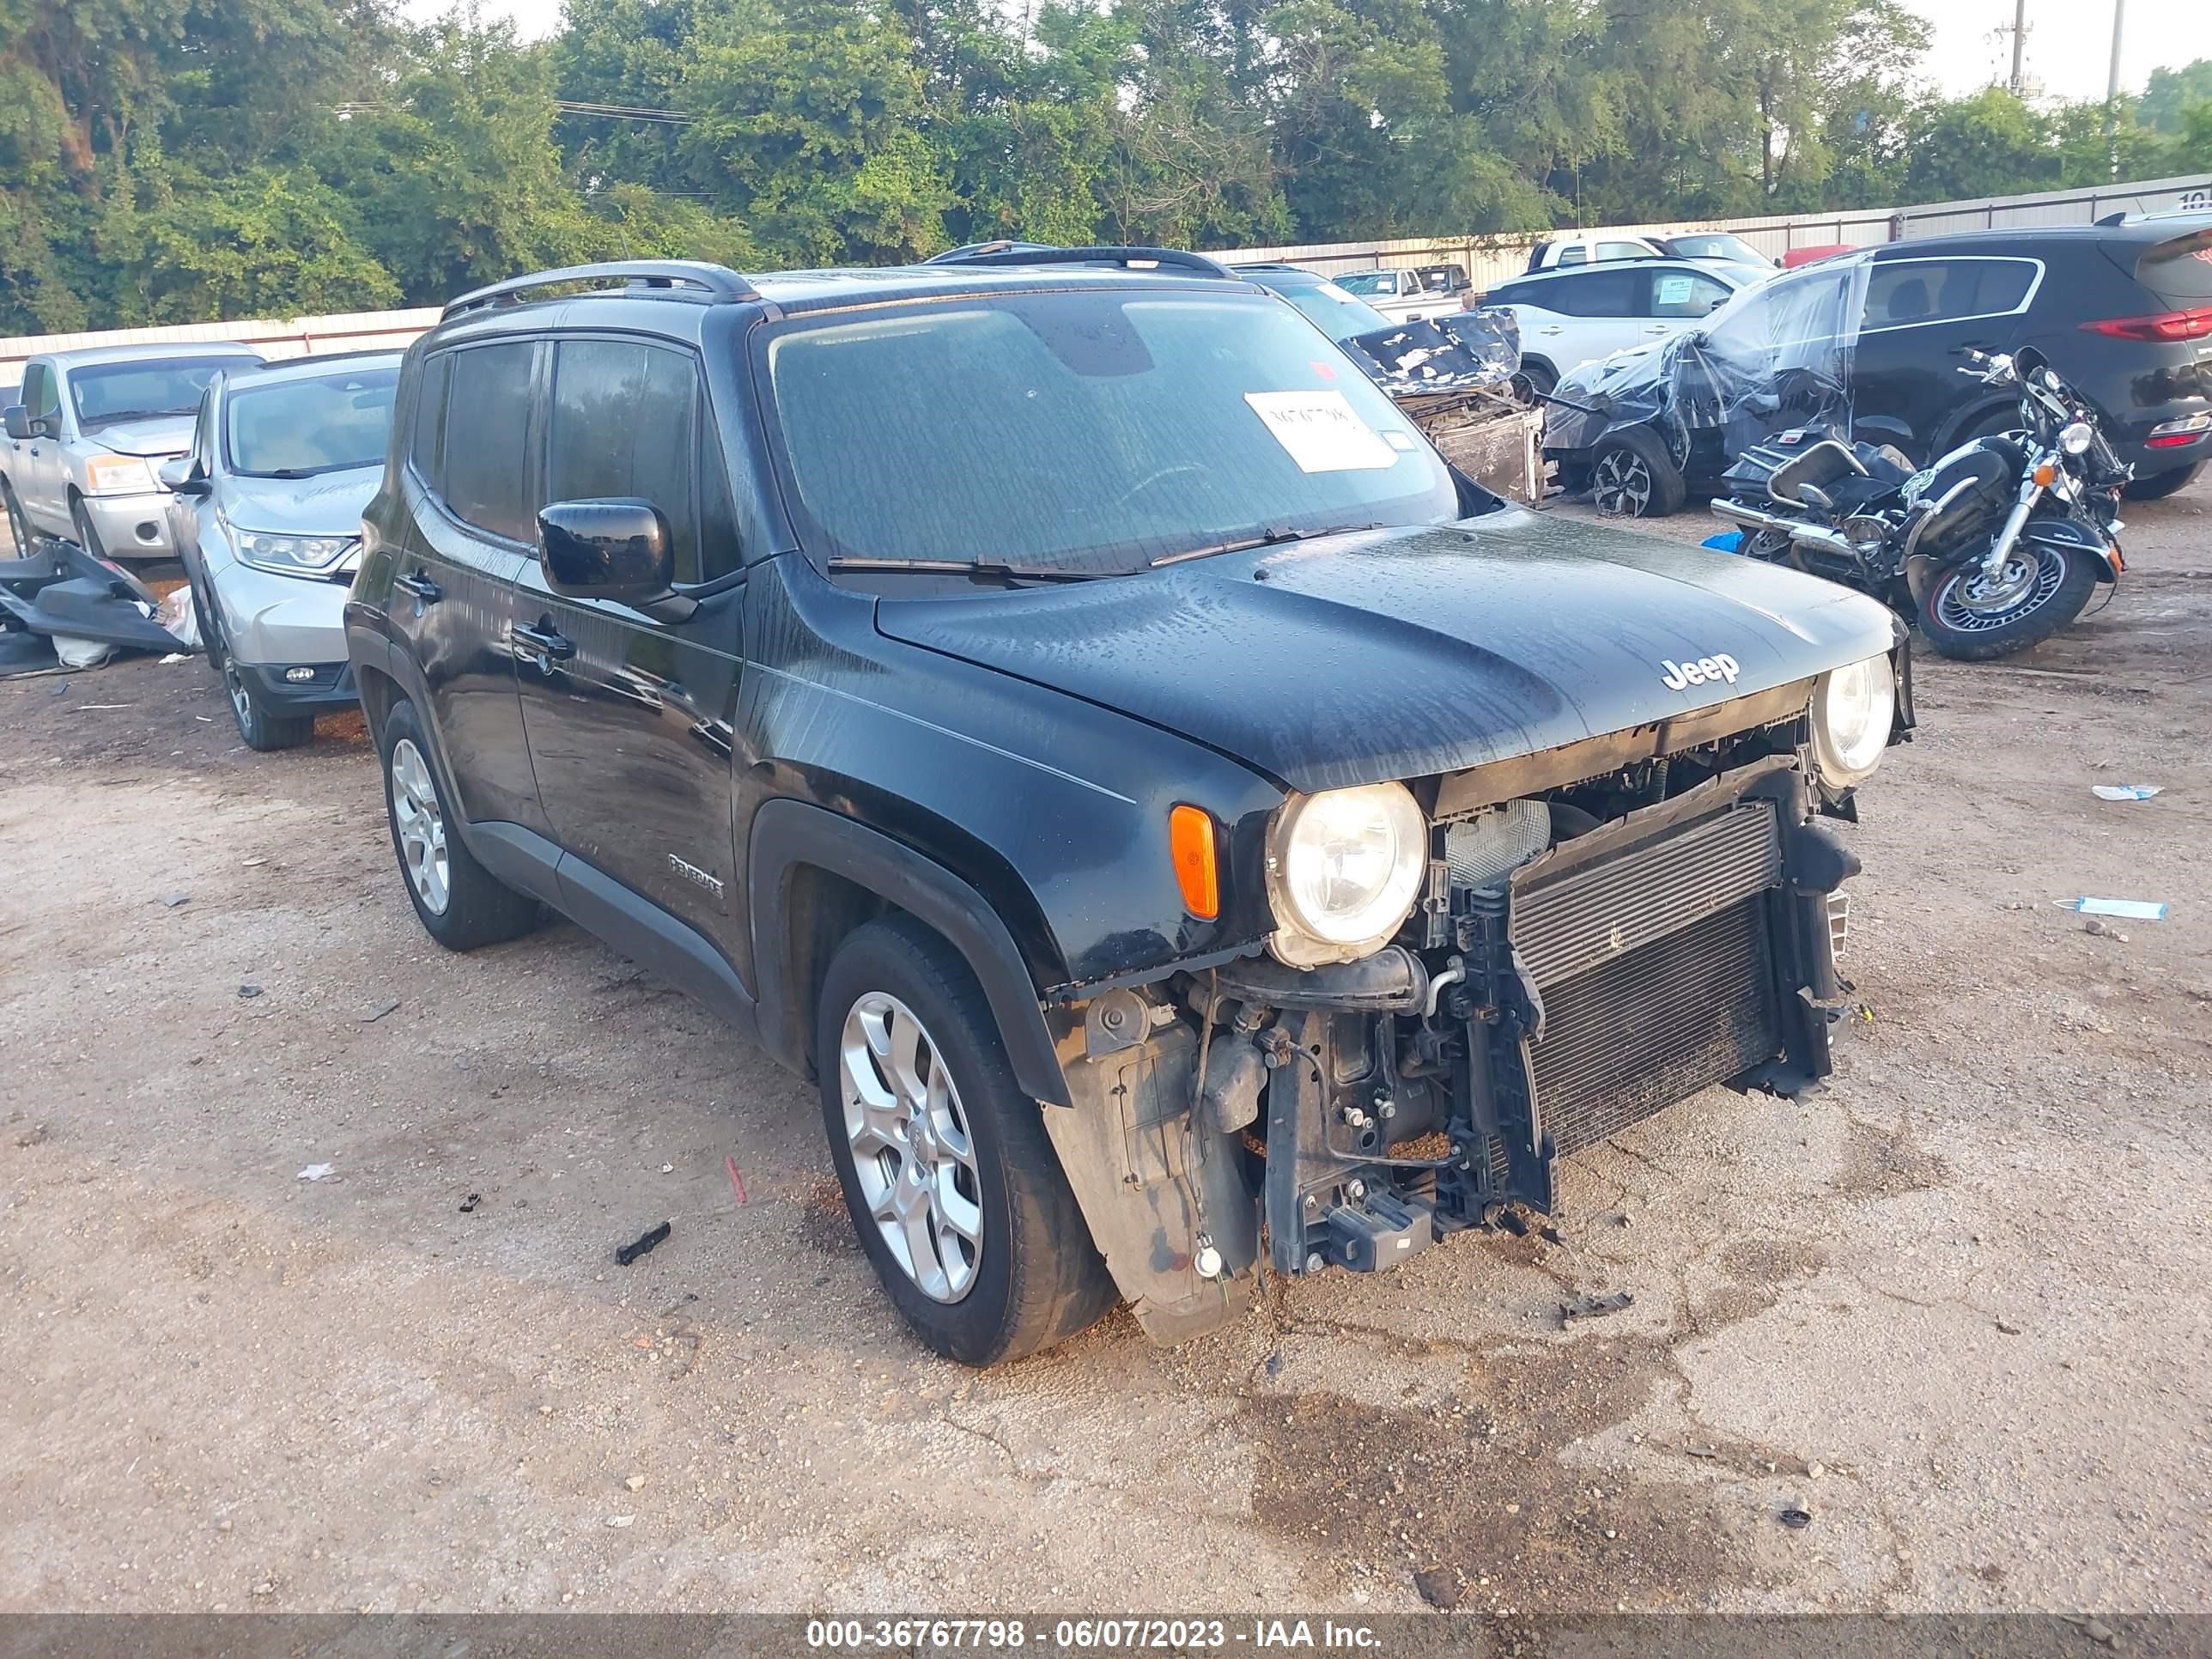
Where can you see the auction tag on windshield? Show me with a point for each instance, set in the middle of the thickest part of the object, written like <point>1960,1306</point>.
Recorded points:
<point>1320,431</point>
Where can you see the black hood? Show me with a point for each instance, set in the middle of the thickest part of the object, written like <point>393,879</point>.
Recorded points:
<point>1401,653</point>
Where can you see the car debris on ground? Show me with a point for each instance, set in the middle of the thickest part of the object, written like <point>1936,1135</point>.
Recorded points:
<point>84,607</point>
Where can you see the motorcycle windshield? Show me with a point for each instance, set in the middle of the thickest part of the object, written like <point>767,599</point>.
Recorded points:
<point>1777,355</point>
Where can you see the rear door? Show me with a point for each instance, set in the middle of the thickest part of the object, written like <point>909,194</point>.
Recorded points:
<point>1920,315</point>
<point>630,716</point>
<point>471,496</point>
<point>1599,313</point>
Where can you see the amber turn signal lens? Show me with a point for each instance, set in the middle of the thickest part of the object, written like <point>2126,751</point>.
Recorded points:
<point>1190,842</point>
<point>2046,474</point>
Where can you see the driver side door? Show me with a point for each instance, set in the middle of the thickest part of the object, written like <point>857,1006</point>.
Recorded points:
<point>34,463</point>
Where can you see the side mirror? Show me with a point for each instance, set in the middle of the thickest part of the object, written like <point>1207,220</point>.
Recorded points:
<point>606,549</point>
<point>180,478</point>
<point>17,419</point>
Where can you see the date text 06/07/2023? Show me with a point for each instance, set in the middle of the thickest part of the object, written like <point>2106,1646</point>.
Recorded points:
<point>1086,1635</point>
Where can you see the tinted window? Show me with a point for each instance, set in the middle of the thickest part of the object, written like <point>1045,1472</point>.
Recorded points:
<point>1599,294</point>
<point>1904,291</point>
<point>1339,315</point>
<point>1686,293</point>
<point>1578,255</point>
<point>624,423</point>
<point>2180,269</point>
<point>429,435</point>
<point>1086,430</point>
<point>487,466</point>
<point>332,423</point>
<point>1513,293</point>
<point>719,551</point>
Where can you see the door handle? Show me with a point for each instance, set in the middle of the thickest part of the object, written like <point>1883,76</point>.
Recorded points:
<point>546,640</point>
<point>1552,328</point>
<point>425,590</point>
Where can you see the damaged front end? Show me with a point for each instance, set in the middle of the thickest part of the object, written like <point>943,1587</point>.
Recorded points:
<point>1605,929</point>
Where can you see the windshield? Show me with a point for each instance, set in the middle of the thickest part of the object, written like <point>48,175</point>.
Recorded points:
<point>1338,315</point>
<point>1716,245</point>
<point>123,392</point>
<point>1367,282</point>
<point>295,428</point>
<point>1085,430</point>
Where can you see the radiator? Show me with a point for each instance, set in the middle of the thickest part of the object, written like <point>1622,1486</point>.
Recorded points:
<point>1655,974</point>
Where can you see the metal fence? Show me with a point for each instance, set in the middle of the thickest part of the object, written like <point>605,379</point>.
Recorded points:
<point>1487,260</point>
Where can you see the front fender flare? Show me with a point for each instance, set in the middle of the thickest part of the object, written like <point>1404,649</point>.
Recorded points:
<point>790,834</point>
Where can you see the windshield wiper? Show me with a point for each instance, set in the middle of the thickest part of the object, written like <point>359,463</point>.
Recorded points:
<point>987,568</point>
<point>1265,538</point>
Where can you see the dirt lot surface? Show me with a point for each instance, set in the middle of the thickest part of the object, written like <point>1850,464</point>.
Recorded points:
<point>1955,1307</point>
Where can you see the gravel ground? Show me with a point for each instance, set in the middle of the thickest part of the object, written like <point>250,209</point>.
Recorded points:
<point>1954,1306</point>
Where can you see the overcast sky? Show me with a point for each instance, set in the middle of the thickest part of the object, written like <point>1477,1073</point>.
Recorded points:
<point>2069,42</point>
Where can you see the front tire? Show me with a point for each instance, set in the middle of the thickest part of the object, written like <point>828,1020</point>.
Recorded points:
<point>461,904</point>
<point>1633,477</point>
<point>957,1198</point>
<point>18,522</point>
<point>1970,618</point>
<point>88,537</point>
<point>263,728</point>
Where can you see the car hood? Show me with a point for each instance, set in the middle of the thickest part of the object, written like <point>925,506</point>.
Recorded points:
<point>157,437</point>
<point>328,504</point>
<point>1406,653</point>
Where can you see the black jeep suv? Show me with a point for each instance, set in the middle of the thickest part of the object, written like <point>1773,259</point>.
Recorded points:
<point>1054,699</point>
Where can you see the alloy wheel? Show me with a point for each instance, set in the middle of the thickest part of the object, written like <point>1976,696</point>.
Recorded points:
<point>1620,484</point>
<point>1972,602</point>
<point>421,825</point>
<point>914,1153</point>
<point>241,702</point>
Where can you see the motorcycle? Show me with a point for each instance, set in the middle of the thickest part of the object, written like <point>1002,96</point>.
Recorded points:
<point>1992,549</point>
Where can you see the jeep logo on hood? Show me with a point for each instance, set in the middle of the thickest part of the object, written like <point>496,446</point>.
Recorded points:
<point>1682,676</point>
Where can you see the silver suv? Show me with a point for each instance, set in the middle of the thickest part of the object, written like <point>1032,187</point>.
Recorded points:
<point>85,443</point>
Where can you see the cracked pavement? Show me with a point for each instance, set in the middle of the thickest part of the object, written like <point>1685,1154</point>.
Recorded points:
<point>1955,1307</point>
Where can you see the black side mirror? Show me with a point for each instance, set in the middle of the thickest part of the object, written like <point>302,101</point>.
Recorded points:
<point>180,478</point>
<point>606,550</point>
<point>17,419</point>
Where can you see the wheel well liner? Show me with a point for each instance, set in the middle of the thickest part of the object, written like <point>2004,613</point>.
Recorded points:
<point>813,875</point>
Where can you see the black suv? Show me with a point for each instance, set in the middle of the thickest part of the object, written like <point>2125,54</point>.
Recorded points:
<point>2122,309</point>
<point>1054,699</point>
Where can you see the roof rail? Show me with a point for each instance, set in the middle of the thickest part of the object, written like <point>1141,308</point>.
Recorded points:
<point>1029,254</point>
<point>677,278</point>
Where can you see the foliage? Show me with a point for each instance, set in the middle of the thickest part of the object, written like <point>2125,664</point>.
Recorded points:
<point>173,160</point>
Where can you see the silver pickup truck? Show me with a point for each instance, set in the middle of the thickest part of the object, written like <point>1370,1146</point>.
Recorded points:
<point>86,442</point>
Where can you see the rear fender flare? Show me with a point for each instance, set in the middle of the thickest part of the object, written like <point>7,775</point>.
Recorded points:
<point>787,835</point>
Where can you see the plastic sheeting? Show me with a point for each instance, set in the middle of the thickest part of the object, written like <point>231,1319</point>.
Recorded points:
<point>1463,351</point>
<point>1776,356</point>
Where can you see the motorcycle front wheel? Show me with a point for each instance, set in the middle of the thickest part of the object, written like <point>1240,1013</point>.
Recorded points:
<point>1973,617</point>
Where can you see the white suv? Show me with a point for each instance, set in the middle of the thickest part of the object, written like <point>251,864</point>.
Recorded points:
<point>1571,316</point>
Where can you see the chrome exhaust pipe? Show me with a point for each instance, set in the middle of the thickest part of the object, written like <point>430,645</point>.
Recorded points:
<point>1805,535</point>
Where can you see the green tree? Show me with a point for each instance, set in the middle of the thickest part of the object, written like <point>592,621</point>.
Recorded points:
<point>2166,98</point>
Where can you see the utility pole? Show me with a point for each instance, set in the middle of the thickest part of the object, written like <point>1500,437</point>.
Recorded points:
<point>2019,43</point>
<point>2112,86</point>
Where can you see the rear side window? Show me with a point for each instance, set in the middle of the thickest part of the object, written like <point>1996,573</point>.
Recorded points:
<point>1907,291</point>
<point>625,422</point>
<point>1623,251</point>
<point>427,444</point>
<point>1576,255</point>
<point>487,453</point>
<point>2179,269</point>
<point>1515,293</point>
<point>1600,294</point>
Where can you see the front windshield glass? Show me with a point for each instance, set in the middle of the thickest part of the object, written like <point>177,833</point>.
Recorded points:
<point>122,392</point>
<point>1339,315</point>
<point>295,428</point>
<point>1087,430</point>
<point>1716,245</point>
<point>1367,282</point>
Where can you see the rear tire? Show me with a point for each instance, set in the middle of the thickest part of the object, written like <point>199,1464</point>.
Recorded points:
<point>1966,632</point>
<point>460,904</point>
<point>2159,485</point>
<point>1536,376</point>
<point>954,1189</point>
<point>1633,477</point>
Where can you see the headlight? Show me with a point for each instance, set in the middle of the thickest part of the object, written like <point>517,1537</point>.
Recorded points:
<point>2077,437</point>
<point>1853,707</point>
<point>118,475</point>
<point>1344,868</point>
<point>290,555</point>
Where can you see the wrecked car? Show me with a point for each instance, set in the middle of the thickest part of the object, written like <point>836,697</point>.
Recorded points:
<point>1197,831</point>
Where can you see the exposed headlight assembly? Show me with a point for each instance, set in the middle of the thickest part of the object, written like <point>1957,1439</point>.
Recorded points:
<point>1853,708</point>
<point>1344,868</point>
<point>291,556</point>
